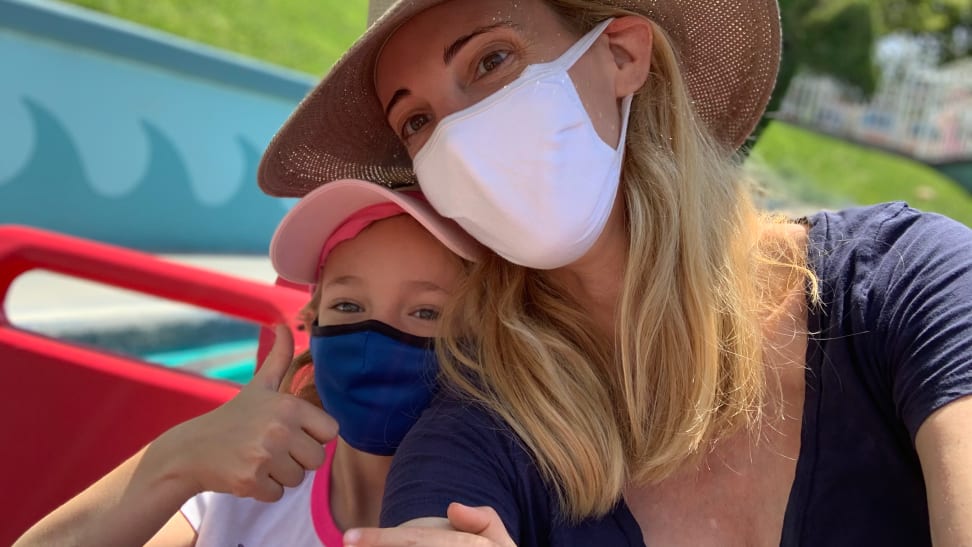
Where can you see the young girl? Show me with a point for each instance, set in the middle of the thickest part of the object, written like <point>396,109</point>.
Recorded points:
<point>381,264</point>
<point>645,357</point>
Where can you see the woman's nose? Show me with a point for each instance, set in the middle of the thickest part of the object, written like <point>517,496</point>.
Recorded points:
<point>444,105</point>
<point>458,99</point>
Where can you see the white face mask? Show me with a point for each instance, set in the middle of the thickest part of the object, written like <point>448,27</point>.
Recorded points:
<point>524,171</point>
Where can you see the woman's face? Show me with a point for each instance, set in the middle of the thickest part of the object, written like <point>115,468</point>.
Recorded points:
<point>457,53</point>
<point>395,272</point>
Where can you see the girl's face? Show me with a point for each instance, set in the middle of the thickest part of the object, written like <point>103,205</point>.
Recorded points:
<point>395,272</point>
<point>457,53</point>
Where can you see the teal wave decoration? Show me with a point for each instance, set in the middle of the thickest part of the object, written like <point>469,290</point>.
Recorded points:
<point>160,213</point>
<point>115,134</point>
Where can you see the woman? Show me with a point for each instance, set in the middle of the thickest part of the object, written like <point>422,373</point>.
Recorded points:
<point>650,359</point>
<point>382,264</point>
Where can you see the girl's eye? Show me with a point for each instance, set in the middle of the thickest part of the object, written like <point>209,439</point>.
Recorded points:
<point>347,307</point>
<point>414,124</point>
<point>426,314</point>
<point>490,62</point>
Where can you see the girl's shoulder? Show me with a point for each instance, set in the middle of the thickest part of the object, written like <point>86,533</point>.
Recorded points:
<point>224,519</point>
<point>301,517</point>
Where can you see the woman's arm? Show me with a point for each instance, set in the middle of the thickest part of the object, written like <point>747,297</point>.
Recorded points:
<point>944,444</point>
<point>921,297</point>
<point>460,477</point>
<point>252,446</point>
<point>465,526</point>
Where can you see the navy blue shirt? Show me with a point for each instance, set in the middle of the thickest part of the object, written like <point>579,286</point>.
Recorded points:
<point>891,344</point>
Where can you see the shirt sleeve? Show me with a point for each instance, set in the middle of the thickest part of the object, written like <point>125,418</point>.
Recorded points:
<point>458,453</point>
<point>920,299</point>
<point>194,510</point>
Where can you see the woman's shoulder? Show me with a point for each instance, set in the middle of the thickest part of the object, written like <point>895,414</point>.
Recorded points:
<point>884,223</point>
<point>896,305</point>
<point>878,239</point>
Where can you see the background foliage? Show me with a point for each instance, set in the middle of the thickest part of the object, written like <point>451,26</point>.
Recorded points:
<point>803,170</point>
<point>838,37</point>
<point>305,35</point>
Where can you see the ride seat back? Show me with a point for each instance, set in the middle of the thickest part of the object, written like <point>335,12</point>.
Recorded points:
<point>69,413</point>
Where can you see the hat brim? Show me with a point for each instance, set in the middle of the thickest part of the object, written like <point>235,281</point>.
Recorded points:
<point>729,54</point>
<point>296,245</point>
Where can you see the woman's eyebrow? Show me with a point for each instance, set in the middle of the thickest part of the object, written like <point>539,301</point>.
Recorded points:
<point>447,56</point>
<point>451,51</point>
<point>399,95</point>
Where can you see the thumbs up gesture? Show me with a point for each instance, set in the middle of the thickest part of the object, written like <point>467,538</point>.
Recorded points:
<point>260,441</point>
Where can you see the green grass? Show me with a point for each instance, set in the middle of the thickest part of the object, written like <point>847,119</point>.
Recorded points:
<point>802,169</point>
<point>305,35</point>
<point>800,166</point>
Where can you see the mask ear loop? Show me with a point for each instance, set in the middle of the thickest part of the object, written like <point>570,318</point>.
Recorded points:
<point>574,53</point>
<point>625,116</point>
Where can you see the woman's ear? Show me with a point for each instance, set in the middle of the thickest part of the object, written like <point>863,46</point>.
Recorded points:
<point>630,38</point>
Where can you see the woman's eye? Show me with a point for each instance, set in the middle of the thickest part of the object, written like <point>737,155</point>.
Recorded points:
<point>414,124</point>
<point>491,61</point>
<point>347,307</point>
<point>426,314</point>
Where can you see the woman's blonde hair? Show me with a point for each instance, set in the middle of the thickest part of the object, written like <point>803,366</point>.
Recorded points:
<point>685,367</point>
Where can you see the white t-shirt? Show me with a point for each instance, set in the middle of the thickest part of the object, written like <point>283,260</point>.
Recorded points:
<point>302,517</point>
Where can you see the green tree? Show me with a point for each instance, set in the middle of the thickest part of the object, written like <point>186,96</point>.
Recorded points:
<point>938,19</point>
<point>833,37</point>
<point>838,37</point>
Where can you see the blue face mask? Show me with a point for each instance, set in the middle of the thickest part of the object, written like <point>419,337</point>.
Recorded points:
<point>374,379</point>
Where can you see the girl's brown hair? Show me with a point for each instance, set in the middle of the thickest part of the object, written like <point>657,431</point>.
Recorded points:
<point>299,378</point>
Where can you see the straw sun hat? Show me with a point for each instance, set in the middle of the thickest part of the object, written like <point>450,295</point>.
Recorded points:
<point>729,50</point>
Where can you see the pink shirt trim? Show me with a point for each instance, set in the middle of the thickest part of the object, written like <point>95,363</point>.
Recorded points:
<point>324,525</point>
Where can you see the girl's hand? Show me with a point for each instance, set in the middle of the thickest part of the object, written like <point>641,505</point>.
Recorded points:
<point>257,443</point>
<point>471,526</point>
<point>254,445</point>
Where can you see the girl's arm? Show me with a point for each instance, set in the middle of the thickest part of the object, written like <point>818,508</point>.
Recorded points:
<point>176,533</point>
<point>252,446</point>
<point>125,507</point>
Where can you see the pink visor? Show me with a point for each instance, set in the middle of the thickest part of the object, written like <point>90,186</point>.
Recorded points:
<point>356,223</point>
<point>339,211</point>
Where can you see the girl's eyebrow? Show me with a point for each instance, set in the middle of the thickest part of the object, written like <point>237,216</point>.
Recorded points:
<point>423,285</point>
<point>344,280</point>
<point>451,51</point>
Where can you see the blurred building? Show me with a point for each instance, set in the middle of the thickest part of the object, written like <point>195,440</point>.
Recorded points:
<point>922,111</point>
